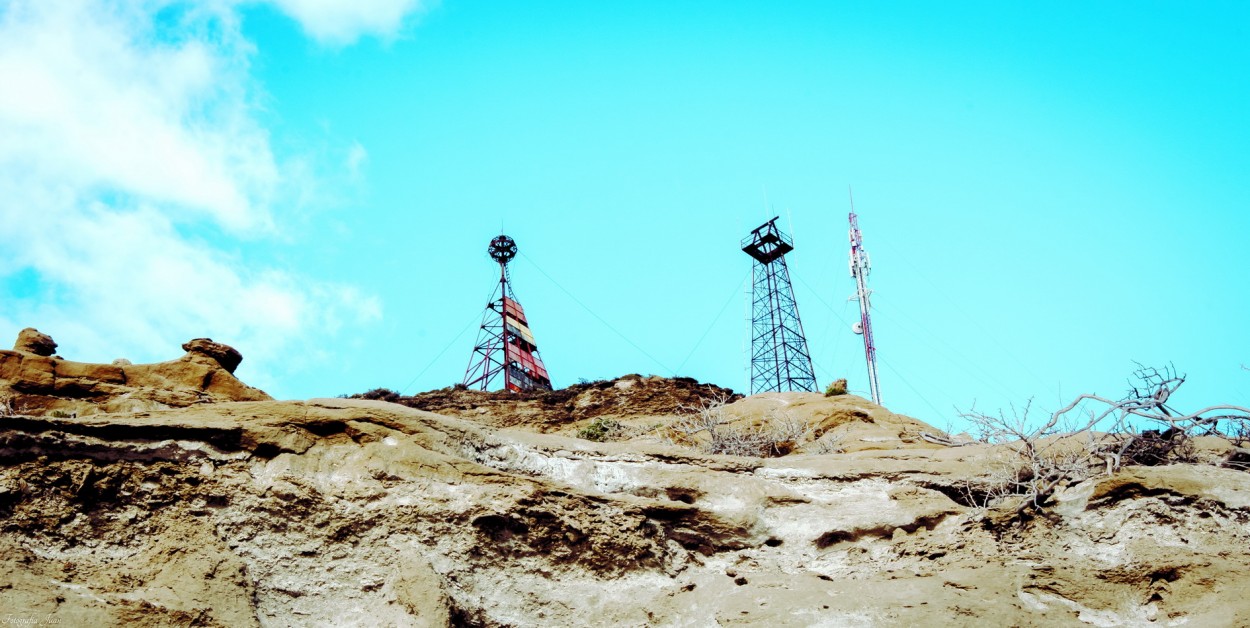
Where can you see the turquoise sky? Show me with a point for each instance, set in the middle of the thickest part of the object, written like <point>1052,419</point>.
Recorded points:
<point>1049,192</point>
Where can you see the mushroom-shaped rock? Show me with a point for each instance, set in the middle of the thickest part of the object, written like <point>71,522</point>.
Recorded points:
<point>225,355</point>
<point>31,340</point>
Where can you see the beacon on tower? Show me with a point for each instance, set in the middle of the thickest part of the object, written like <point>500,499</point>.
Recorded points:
<point>505,345</point>
<point>779,358</point>
<point>861,265</point>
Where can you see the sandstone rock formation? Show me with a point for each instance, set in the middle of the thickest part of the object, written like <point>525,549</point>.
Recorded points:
<point>34,383</point>
<point>362,513</point>
<point>31,340</point>
<point>224,355</point>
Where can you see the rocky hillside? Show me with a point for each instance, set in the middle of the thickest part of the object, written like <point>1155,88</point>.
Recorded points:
<point>364,512</point>
<point>632,397</point>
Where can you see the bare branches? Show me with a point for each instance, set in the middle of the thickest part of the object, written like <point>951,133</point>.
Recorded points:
<point>828,443</point>
<point>777,435</point>
<point>1093,431</point>
<point>1046,457</point>
<point>1154,388</point>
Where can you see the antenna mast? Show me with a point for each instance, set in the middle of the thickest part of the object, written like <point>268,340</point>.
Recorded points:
<point>861,265</point>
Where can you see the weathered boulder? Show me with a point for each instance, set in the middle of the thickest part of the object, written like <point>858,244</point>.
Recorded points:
<point>31,340</point>
<point>225,355</point>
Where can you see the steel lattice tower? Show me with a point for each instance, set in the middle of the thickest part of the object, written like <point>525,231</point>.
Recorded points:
<point>779,358</point>
<point>505,344</point>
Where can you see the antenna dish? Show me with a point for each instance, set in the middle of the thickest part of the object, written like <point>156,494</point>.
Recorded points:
<point>502,249</point>
<point>858,328</point>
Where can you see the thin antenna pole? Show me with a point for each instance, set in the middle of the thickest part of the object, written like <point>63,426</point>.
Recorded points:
<point>861,265</point>
<point>503,324</point>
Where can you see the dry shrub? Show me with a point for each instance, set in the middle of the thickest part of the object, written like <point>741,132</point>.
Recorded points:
<point>378,394</point>
<point>778,434</point>
<point>828,443</point>
<point>1093,433</point>
<point>1152,448</point>
<point>602,430</point>
<point>836,387</point>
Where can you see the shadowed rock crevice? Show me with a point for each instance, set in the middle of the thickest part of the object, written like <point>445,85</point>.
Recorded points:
<point>834,537</point>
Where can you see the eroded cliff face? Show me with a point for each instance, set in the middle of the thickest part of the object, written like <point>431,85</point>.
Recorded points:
<point>348,512</point>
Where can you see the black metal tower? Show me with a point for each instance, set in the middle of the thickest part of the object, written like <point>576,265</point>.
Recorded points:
<point>779,358</point>
<point>505,345</point>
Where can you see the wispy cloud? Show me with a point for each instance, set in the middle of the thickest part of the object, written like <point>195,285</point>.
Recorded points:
<point>131,157</point>
<point>343,21</point>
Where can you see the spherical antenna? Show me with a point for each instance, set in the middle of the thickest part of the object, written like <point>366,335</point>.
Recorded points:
<point>502,249</point>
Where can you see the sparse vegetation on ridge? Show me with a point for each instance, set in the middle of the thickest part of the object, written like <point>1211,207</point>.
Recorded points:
<point>836,387</point>
<point>601,430</point>
<point>558,409</point>
<point>776,434</point>
<point>1095,435</point>
<point>380,394</point>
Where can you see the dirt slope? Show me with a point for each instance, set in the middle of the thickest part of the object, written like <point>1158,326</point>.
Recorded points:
<point>644,403</point>
<point>632,397</point>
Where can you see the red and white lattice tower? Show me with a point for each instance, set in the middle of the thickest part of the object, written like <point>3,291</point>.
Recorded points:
<point>861,265</point>
<point>505,344</point>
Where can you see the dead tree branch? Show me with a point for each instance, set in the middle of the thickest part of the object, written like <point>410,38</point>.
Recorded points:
<point>1094,431</point>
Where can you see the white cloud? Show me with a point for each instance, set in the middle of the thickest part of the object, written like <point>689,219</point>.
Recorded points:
<point>130,155</point>
<point>343,21</point>
<point>92,100</point>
